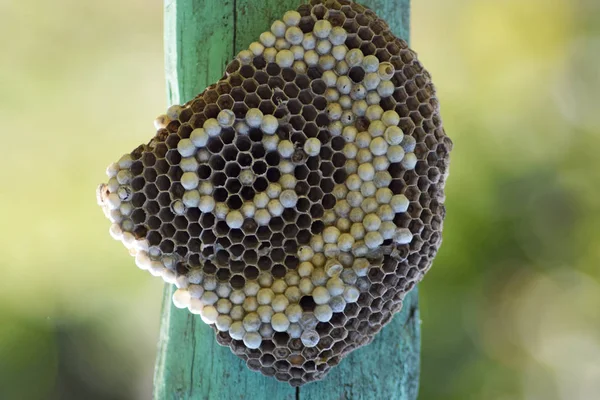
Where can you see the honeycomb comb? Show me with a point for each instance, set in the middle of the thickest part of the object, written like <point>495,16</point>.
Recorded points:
<point>297,200</point>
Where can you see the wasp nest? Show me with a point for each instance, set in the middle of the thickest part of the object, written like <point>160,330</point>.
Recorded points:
<point>296,201</point>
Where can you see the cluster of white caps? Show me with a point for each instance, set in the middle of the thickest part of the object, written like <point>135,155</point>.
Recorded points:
<point>336,261</point>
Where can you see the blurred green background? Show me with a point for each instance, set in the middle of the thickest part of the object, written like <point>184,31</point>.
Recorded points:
<point>510,309</point>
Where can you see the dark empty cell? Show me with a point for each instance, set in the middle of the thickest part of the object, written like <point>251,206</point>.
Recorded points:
<point>290,246</point>
<point>181,237</point>
<point>276,224</point>
<point>301,172</point>
<point>151,191</point>
<point>388,103</point>
<point>288,74</point>
<point>312,163</point>
<point>211,110</point>
<point>326,153</point>
<point>237,266</point>
<point>223,275</point>
<point>322,120</point>
<point>255,135</point>
<point>252,100</point>
<point>197,120</point>
<point>215,145</point>
<point>303,221</point>
<point>291,90</point>
<point>250,256</point>
<point>273,69</point>
<point>339,176</point>
<point>298,138</point>
<point>259,62</point>
<point>138,199</point>
<point>209,268</point>
<point>316,210</point>
<point>309,113</point>
<point>318,86</point>
<point>272,158</point>
<point>175,173</point>
<point>276,83</point>
<point>302,189</point>
<point>264,263</point>
<point>260,184</point>
<point>291,262</point>
<point>278,271</point>
<point>204,171</point>
<point>163,183</point>
<point>236,235</point>
<point>315,194</point>
<point>289,215</point>
<point>195,245</point>
<point>167,246</point>
<point>192,214</point>
<point>223,87</point>
<point>368,48</point>
<point>216,162</point>
<point>276,240</point>
<point>357,74</point>
<point>327,185</point>
<point>232,170</point>
<point>177,190</point>
<point>239,109</point>
<point>264,92</point>
<point>366,34</point>
<point>180,222</point>
<point>304,236</point>
<point>166,215</point>
<point>382,54</point>
<point>221,228</point>
<point>251,272</point>
<point>305,97</point>
<point>137,168</point>
<point>291,230</point>
<point>154,222</point>
<point>138,216</point>
<point>267,107</point>
<point>237,281</point>
<point>247,193</point>
<point>263,233</point>
<point>154,238</point>
<point>198,105</point>
<point>160,150</point>
<point>244,159</point>
<point>259,167</point>
<point>314,73</point>
<point>238,94</point>
<point>222,257</point>
<point>317,227</point>
<point>220,194</point>
<point>150,175</point>
<point>313,179</point>
<point>225,102</point>
<point>250,241</point>
<point>173,126</point>
<point>278,97</point>
<point>307,303</point>
<point>219,178</point>
<point>234,202</point>
<point>152,207</point>
<point>233,66</point>
<point>294,106</point>
<point>171,142</point>
<point>328,201</point>
<point>297,122</point>
<point>247,71</point>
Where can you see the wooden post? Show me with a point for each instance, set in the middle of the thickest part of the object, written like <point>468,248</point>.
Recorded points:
<point>201,36</point>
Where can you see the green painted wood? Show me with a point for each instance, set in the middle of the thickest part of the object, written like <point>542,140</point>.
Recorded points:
<point>201,36</point>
